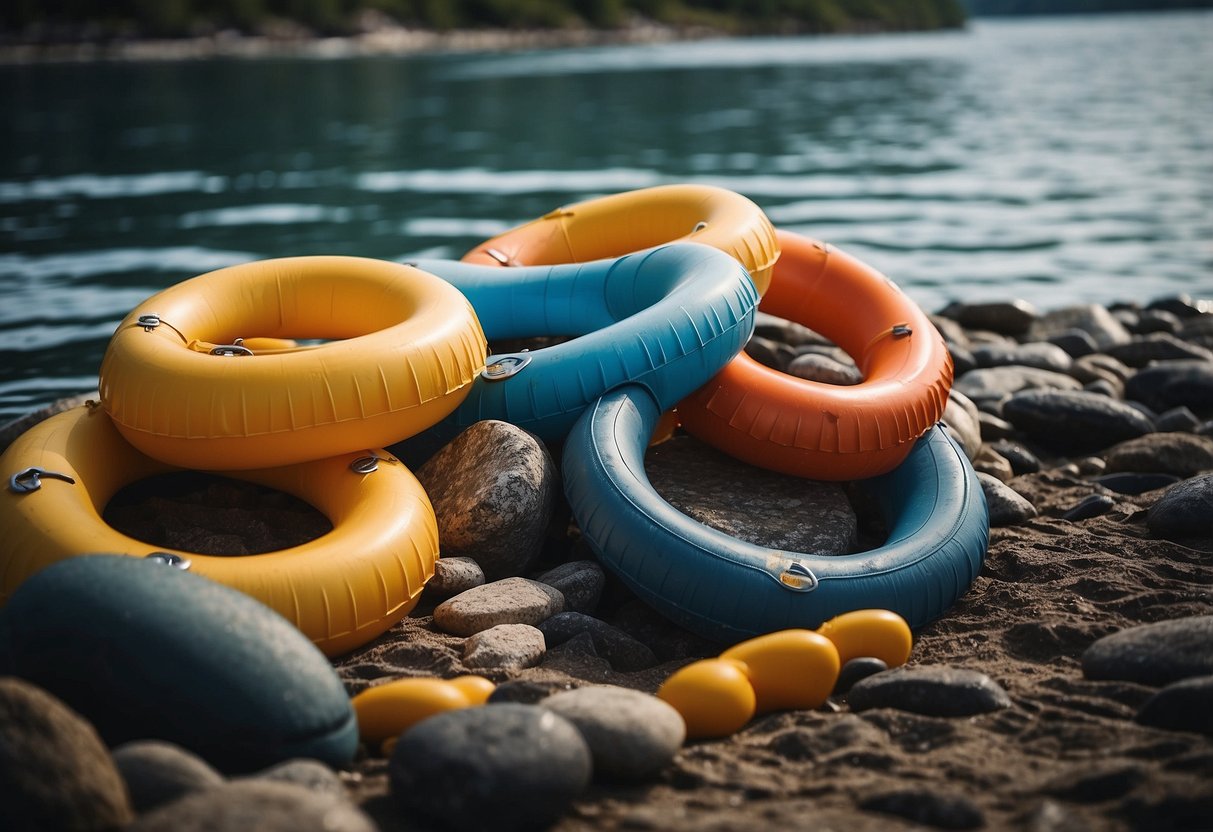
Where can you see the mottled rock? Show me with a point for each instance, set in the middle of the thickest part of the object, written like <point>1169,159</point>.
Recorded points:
<point>1075,419</point>
<point>1170,384</point>
<point>1154,654</point>
<point>502,767</point>
<point>623,652</point>
<point>508,601</point>
<point>856,669</point>
<point>1185,510</point>
<point>1006,318</point>
<point>508,646</point>
<point>932,690</point>
<point>962,420</point>
<point>762,507</point>
<point>990,461</point>
<point>492,489</point>
<point>995,384</point>
<point>1182,706</point>
<point>312,775</point>
<point>1092,505</point>
<point>1131,483</point>
<point>55,773</point>
<point>1182,454</point>
<point>1093,319</point>
<point>815,367</point>
<point>1007,506</point>
<point>1157,346</point>
<point>453,575</point>
<point>158,772</point>
<point>1022,460</point>
<point>923,806</point>
<point>1039,354</point>
<point>579,581</point>
<point>631,735</point>
<point>254,804</point>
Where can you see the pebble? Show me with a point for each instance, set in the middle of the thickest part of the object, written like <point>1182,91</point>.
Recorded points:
<point>1182,706</point>
<point>1177,419</point>
<point>1039,354</point>
<point>989,386</point>
<point>631,735</point>
<point>580,582</point>
<point>1092,505</point>
<point>255,804</point>
<point>453,575</point>
<point>1182,454</point>
<point>55,773</point>
<point>1092,319</point>
<point>1185,510</point>
<point>147,650</point>
<point>1101,367</point>
<point>508,601</point>
<point>990,461</point>
<point>1075,342</point>
<point>502,767</point>
<point>962,419</point>
<point>1170,384</point>
<point>821,368</point>
<point>1156,320</point>
<point>1076,419</point>
<point>158,772</point>
<point>923,806</point>
<point>1130,483</point>
<point>1157,346</point>
<point>1021,459</point>
<point>506,646</point>
<point>767,509</point>
<point>526,691</point>
<point>856,669</point>
<point>932,690</point>
<point>784,331</point>
<point>492,489</point>
<point>1007,506</point>
<point>1153,654</point>
<point>624,653</point>
<point>1006,318</point>
<point>312,775</point>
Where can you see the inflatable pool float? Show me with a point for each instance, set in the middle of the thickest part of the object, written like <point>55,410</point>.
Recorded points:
<point>182,387</point>
<point>828,431</point>
<point>726,589</point>
<point>665,319</point>
<point>341,589</point>
<point>605,227</point>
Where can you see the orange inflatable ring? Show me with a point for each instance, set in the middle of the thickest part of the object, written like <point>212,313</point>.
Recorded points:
<point>341,589</point>
<point>183,387</point>
<point>611,226</point>
<point>826,431</point>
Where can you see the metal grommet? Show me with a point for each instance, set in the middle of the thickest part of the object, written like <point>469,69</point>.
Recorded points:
<point>368,464</point>
<point>902,330</point>
<point>169,559</point>
<point>500,256</point>
<point>699,226</point>
<point>501,367</point>
<point>798,577</point>
<point>23,482</point>
<point>149,321</point>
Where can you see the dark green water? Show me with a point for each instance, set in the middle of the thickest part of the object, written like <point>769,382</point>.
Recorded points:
<point>1058,160</point>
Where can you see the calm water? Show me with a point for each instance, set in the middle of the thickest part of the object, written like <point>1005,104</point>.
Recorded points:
<point>1057,160</point>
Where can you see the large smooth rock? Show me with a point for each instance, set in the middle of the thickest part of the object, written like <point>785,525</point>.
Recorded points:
<point>631,735</point>
<point>1158,346</point>
<point>501,767</point>
<point>454,575</point>
<point>993,384</point>
<point>764,508</point>
<point>962,420</point>
<point>1173,383</point>
<point>623,652</point>
<point>1154,654</point>
<point>1007,506</point>
<point>55,773</point>
<point>1185,510</point>
<point>492,489</point>
<point>1076,419</point>
<point>507,646</point>
<point>256,804</point>
<point>1007,318</point>
<point>158,772</point>
<point>508,601</point>
<point>1093,319</point>
<point>1039,354</point>
<point>1182,706</point>
<point>1182,454</point>
<point>931,690</point>
<point>145,650</point>
<point>822,368</point>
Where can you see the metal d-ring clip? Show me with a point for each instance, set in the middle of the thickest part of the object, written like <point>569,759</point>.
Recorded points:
<point>169,559</point>
<point>237,347</point>
<point>501,367</point>
<point>368,464</point>
<point>902,330</point>
<point>23,482</point>
<point>699,226</point>
<point>798,577</point>
<point>149,321</point>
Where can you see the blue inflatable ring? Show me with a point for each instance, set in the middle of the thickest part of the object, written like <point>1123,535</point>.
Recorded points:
<point>666,319</point>
<point>728,590</point>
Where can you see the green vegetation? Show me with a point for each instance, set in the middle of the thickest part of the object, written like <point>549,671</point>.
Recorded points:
<point>1006,7</point>
<point>98,19</point>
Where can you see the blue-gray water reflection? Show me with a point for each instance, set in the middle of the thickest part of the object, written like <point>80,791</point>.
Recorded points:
<point>1054,159</point>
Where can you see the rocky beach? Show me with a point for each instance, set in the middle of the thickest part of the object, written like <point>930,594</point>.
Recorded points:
<point>1069,688</point>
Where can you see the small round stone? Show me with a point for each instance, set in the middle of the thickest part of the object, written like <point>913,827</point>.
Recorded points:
<point>158,772</point>
<point>930,690</point>
<point>856,669</point>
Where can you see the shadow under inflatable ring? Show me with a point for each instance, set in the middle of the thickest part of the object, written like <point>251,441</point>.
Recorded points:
<point>341,589</point>
<point>665,319</point>
<point>830,431</point>
<point>728,590</point>
<point>181,387</point>
<point>609,226</point>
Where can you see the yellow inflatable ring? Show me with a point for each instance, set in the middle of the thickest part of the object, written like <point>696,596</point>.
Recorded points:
<point>612,226</point>
<point>181,386</point>
<point>341,589</point>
